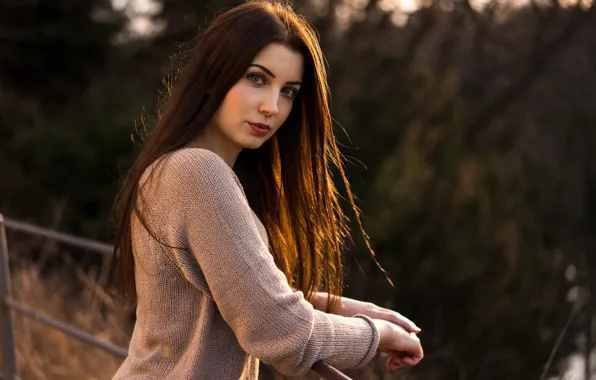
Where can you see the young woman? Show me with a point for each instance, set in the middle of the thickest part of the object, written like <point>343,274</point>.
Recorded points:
<point>230,222</point>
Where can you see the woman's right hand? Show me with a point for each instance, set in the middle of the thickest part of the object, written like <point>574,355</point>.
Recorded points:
<point>404,348</point>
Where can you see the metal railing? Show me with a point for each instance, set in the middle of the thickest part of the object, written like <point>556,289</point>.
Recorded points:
<point>8,303</point>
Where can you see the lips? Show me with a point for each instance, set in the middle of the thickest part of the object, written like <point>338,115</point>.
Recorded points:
<point>261,125</point>
<point>259,128</point>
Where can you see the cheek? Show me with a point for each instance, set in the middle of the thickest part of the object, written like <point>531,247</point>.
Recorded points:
<point>238,97</point>
<point>230,110</point>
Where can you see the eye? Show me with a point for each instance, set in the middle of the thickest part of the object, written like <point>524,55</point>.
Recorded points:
<point>255,78</point>
<point>290,92</point>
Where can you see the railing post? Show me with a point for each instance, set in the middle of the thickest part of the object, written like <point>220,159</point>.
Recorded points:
<point>8,348</point>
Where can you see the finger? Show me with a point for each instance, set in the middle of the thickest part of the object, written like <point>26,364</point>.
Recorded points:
<point>420,354</point>
<point>400,320</point>
<point>404,358</point>
<point>393,360</point>
<point>412,359</point>
<point>394,365</point>
<point>398,360</point>
<point>409,360</point>
<point>416,349</point>
<point>404,322</point>
<point>391,364</point>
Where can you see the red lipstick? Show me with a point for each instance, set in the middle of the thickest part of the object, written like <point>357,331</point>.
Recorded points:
<point>260,128</point>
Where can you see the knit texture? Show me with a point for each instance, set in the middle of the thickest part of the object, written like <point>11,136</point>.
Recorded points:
<point>211,301</point>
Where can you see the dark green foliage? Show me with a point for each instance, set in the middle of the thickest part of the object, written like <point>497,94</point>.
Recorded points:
<point>476,222</point>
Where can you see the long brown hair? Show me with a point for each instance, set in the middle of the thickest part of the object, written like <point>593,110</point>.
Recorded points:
<point>288,180</point>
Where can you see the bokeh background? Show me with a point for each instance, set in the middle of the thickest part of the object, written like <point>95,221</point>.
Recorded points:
<point>469,128</point>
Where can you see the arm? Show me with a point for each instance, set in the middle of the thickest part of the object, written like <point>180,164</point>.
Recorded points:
<point>394,328</point>
<point>319,300</point>
<point>348,307</point>
<point>214,222</point>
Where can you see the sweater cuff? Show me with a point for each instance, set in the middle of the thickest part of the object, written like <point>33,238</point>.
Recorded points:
<point>375,341</point>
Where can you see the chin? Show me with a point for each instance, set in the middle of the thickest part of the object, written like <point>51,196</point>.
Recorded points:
<point>253,143</point>
<point>253,146</point>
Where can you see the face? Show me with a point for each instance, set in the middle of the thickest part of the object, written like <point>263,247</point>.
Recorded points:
<point>259,103</point>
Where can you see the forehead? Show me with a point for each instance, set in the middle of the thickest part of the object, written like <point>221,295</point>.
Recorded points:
<point>285,63</point>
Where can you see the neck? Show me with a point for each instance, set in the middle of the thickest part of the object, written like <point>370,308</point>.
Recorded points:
<point>218,144</point>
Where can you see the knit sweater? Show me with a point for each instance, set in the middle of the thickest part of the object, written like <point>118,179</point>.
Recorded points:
<point>211,302</point>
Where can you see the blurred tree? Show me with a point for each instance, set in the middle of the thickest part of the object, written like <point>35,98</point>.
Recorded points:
<point>432,199</point>
<point>52,49</point>
<point>51,53</point>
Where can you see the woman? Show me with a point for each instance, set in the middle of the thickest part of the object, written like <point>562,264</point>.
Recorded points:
<point>221,277</point>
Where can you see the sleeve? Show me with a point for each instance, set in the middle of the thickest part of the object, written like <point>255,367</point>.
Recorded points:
<point>269,319</point>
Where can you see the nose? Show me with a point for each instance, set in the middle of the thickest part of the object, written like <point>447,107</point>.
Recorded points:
<point>269,102</point>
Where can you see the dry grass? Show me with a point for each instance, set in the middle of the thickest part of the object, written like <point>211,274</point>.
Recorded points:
<point>70,296</point>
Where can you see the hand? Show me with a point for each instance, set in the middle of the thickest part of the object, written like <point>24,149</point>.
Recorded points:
<point>349,307</point>
<point>404,348</point>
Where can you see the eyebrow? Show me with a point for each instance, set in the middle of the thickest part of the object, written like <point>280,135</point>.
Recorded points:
<point>271,73</point>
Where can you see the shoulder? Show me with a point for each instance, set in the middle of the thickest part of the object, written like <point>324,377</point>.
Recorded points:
<point>196,161</point>
<point>191,164</point>
<point>189,171</point>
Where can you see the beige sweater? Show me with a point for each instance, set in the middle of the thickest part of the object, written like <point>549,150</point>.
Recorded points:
<point>213,303</point>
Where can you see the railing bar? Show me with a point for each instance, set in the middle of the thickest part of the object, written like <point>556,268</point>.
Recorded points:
<point>3,376</point>
<point>328,372</point>
<point>322,369</point>
<point>93,245</point>
<point>7,333</point>
<point>69,330</point>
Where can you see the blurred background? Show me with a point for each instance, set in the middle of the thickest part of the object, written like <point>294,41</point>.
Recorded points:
<point>468,126</point>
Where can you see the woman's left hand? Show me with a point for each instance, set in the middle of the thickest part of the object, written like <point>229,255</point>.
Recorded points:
<point>349,307</point>
<point>395,360</point>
